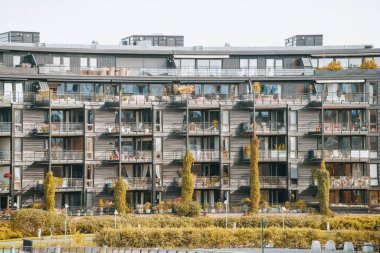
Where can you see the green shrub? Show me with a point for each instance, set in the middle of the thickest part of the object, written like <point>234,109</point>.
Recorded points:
<point>27,221</point>
<point>225,238</point>
<point>188,209</point>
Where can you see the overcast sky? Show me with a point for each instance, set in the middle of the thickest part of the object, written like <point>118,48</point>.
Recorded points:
<point>202,22</point>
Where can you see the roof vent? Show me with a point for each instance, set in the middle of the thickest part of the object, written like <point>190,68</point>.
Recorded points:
<point>369,46</point>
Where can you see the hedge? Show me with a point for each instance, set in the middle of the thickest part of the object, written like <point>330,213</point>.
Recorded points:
<point>27,221</point>
<point>226,238</point>
<point>95,224</point>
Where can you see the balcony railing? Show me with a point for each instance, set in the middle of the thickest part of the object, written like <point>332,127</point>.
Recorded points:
<point>70,99</point>
<point>128,156</point>
<point>56,128</point>
<point>340,128</point>
<point>348,182</point>
<point>5,157</point>
<point>264,128</point>
<point>265,182</point>
<point>134,99</point>
<point>202,182</point>
<point>266,155</point>
<point>278,99</point>
<point>341,155</point>
<point>50,69</point>
<point>142,128</point>
<point>142,183</point>
<point>206,100</point>
<point>204,155</point>
<point>56,156</point>
<point>5,185</point>
<point>5,128</point>
<point>340,98</point>
<point>9,97</point>
<point>198,128</point>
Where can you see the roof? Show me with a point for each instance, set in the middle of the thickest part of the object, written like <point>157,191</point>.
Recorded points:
<point>351,50</point>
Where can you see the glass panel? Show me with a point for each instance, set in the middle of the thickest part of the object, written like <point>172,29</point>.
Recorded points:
<point>156,89</point>
<point>202,64</point>
<point>187,63</point>
<point>216,64</point>
<point>57,60</point>
<point>253,63</point>
<point>243,63</point>
<point>355,62</point>
<point>93,63</point>
<point>323,62</point>
<point>66,61</point>
<point>83,62</point>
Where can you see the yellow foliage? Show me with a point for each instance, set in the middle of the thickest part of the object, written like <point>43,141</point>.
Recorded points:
<point>49,187</point>
<point>333,66</point>
<point>369,64</point>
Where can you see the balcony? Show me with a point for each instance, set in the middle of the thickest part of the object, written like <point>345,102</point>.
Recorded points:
<point>273,100</point>
<point>340,155</point>
<point>57,129</point>
<point>57,157</point>
<point>5,128</point>
<point>340,100</point>
<point>5,186</point>
<point>142,156</point>
<point>348,182</point>
<point>270,155</point>
<point>67,184</point>
<point>129,129</point>
<point>204,155</point>
<point>338,128</point>
<point>266,182</point>
<point>71,100</point>
<point>202,182</point>
<point>264,128</point>
<point>205,101</point>
<point>136,101</point>
<point>141,183</point>
<point>5,157</point>
<point>197,128</point>
<point>7,98</point>
<point>50,69</point>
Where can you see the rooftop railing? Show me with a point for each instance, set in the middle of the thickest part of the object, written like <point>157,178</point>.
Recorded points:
<point>50,69</point>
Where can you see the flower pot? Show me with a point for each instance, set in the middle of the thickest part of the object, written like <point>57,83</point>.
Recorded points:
<point>78,212</point>
<point>147,211</point>
<point>169,210</point>
<point>140,211</point>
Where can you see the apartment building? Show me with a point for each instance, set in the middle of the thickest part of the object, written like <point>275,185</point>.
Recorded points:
<point>92,114</point>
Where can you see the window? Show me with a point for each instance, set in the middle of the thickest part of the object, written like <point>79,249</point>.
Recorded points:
<point>158,122</point>
<point>66,61</point>
<point>83,62</point>
<point>248,63</point>
<point>17,178</point>
<point>354,62</point>
<point>18,121</point>
<point>90,120</point>
<point>294,173</point>
<point>373,146</point>
<point>373,174</point>
<point>343,62</point>
<point>293,147</point>
<point>156,89</point>
<point>56,60</point>
<point>187,63</point>
<point>293,120</point>
<point>158,148</point>
<point>323,62</point>
<point>278,63</point>
<point>89,148</point>
<point>93,63</point>
<point>16,60</point>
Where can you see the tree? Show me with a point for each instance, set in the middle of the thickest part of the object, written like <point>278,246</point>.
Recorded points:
<point>254,173</point>
<point>187,187</point>
<point>120,195</point>
<point>368,64</point>
<point>49,187</point>
<point>324,189</point>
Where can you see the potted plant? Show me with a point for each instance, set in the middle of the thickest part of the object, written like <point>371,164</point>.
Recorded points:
<point>215,123</point>
<point>169,206</point>
<point>219,206</point>
<point>246,202</point>
<point>301,206</point>
<point>101,206</point>
<point>140,208</point>
<point>160,206</point>
<point>78,213</point>
<point>154,209</point>
<point>147,207</point>
<point>264,206</point>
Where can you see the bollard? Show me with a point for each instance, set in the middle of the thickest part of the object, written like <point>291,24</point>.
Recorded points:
<point>57,249</point>
<point>348,247</point>
<point>234,225</point>
<point>13,249</point>
<point>327,226</point>
<point>105,249</point>
<point>39,233</point>
<point>330,246</point>
<point>316,245</point>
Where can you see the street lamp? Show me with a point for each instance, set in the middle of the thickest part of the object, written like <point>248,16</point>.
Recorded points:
<point>66,207</point>
<point>115,213</point>
<point>226,203</point>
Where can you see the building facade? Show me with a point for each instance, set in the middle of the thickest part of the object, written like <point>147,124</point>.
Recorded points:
<point>91,115</point>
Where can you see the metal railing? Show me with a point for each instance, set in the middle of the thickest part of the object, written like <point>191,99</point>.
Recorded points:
<point>264,128</point>
<point>348,182</point>
<point>49,69</point>
<point>265,182</point>
<point>201,181</point>
<point>129,128</point>
<point>5,128</point>
<point>204,155</point>
<point>198,128</point>
<point>136,99</point>
<point>340,97</point>
<point>275,99</point>
<point>341,155</point>
<point>266,155</point>
<point>56,156</point>
<point>338,128</point>
<point>204,100</point>
<point>73,98</point>
<point>129,156</point>
<point>5,157</point>
<point>56,128</point>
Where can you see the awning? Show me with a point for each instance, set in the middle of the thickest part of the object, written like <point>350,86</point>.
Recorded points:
<point>197,56</point>
<point>340,81</point>
<point>43,86</point>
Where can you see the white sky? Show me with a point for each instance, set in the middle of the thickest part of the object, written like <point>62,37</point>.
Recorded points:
<point>202,22</point>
